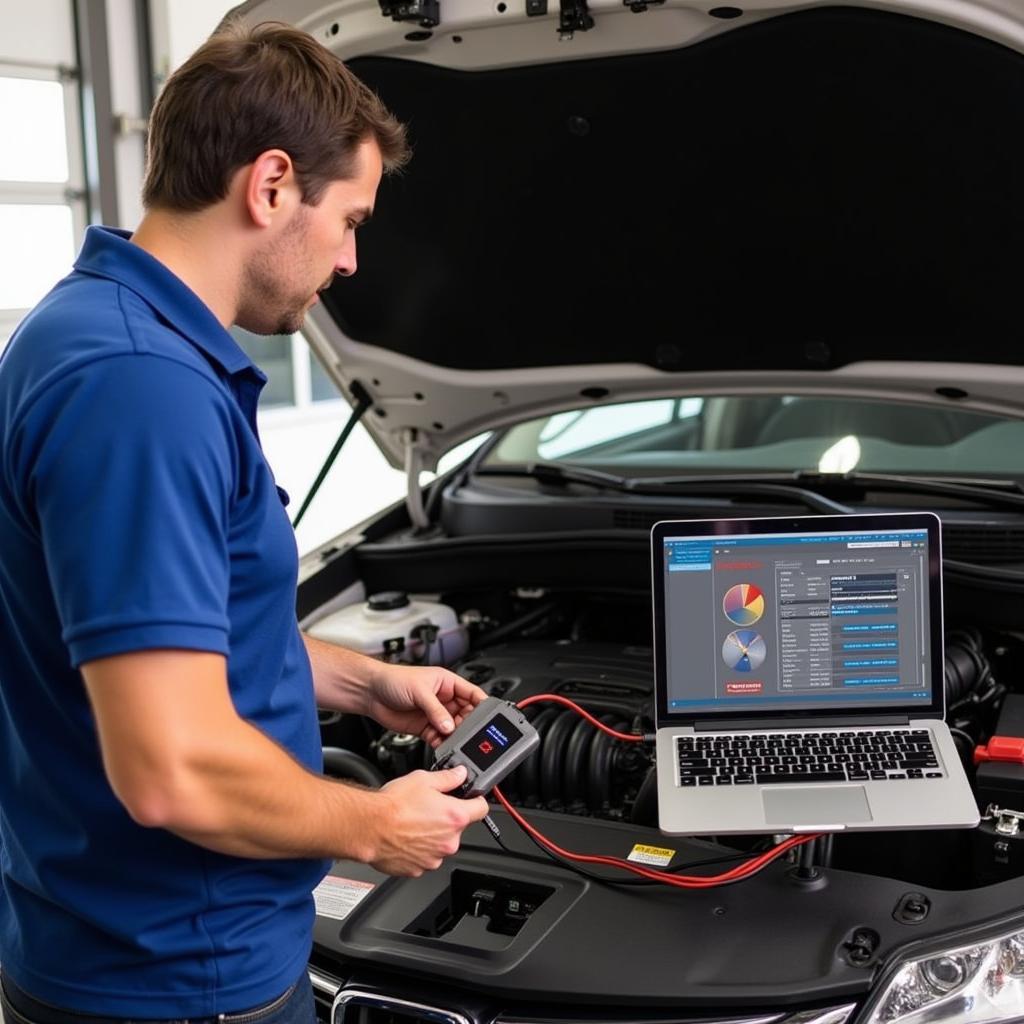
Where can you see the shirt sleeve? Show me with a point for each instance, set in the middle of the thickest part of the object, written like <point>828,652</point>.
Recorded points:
<point>128,467</point>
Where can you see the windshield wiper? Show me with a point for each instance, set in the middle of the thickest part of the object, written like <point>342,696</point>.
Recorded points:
<point>704,486</point>
<point>992,493</point>
<point>803,486</point>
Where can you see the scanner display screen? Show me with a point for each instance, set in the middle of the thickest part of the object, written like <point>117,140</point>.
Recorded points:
<point>487,745</point>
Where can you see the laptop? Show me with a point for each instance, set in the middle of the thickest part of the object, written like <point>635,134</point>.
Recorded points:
<point>799,676</point>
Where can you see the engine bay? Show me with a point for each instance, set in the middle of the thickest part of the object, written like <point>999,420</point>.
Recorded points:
<point>595,649</point>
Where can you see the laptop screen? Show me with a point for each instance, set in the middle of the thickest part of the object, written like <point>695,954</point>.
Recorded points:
<point>806,616</point>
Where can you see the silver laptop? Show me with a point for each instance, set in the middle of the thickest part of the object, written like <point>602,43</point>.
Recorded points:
<point>799,676</point>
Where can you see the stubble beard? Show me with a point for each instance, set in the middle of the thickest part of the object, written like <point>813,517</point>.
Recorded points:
<point>268,306</point>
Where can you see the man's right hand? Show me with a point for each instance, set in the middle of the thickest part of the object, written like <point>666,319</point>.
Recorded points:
<point>423,825</point>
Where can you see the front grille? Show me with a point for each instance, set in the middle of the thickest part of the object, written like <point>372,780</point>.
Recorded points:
<point>325,988</point>
<point>356,1006</point>
<point>361,1006</point>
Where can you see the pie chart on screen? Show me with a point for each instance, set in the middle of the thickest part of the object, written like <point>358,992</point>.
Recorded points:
<point>744,650</point>
<point>743,604</point>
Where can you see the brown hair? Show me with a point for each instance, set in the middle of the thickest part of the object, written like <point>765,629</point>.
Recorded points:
<point>247,90</point>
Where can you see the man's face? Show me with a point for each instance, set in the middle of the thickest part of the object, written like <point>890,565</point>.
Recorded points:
<point>282,281</point>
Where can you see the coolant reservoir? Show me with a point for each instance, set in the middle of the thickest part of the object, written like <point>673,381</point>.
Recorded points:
<point>391,625</point>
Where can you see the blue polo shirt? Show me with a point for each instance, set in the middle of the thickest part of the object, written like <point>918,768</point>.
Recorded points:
<point>137,511</point>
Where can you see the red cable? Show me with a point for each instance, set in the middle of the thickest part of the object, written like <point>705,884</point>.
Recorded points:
<point>630,737</point>
<point>744,870</point>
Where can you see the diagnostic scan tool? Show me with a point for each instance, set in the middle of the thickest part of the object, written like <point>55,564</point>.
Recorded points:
<point>491,741</point>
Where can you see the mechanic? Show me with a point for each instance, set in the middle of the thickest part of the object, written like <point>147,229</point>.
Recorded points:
<point>163,819</point>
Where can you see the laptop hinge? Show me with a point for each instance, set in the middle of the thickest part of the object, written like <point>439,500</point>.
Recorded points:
<point>798,723</point>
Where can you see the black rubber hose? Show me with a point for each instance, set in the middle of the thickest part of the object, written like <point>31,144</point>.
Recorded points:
<point>528,776</point>
<point>964,669</point>
<point>343,764</point>
<point>574,790</point>
<point>645,806</point>
<point>599,789</point>
<point>515,625</point>
<point>552,757</point>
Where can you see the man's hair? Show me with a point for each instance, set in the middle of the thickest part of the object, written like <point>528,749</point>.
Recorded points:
<point>247,90</point>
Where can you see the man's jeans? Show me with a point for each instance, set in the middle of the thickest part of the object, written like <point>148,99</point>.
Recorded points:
<point>292,1007</point>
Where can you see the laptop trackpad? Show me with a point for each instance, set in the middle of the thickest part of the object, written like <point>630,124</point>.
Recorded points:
<point>815,805</point>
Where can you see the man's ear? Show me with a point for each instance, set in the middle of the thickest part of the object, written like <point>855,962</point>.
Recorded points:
<point>270,187</point>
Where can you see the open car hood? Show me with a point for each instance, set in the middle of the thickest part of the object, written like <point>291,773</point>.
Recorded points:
<point>681,197</point>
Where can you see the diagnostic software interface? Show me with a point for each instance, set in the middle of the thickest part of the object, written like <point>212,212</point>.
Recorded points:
<point>797,621</point>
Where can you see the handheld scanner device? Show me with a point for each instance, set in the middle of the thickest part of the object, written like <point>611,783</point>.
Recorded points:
<point>491,741</point>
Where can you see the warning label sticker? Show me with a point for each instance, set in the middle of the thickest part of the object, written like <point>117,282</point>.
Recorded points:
<point>337,897</point>
<point>657,856</point>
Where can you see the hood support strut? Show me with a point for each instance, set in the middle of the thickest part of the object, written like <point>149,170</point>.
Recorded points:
<point>363,402</point>
<point>413,491</point>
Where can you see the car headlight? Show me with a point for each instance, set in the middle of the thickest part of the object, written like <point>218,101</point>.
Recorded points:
<point>978,984</point>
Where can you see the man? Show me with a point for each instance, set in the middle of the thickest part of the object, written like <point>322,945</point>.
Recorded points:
<point>162,816</point>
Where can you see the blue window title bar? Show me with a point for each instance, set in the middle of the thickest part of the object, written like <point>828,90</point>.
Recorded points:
<point>780,539</point>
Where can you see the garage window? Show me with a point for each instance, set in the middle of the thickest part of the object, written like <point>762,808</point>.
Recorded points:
<point>42,208</point>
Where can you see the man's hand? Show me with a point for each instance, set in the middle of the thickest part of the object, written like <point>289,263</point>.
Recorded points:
<point>425,701</point>
<point>422,825</point>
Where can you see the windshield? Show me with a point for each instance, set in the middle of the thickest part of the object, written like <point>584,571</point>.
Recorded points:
<point>770,433</point>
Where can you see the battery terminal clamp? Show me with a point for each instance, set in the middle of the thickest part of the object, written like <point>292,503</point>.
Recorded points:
<point>1009,749</point>
<point>1008,822</point>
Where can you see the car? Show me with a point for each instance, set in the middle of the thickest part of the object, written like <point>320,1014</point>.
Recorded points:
<point>664,259</point>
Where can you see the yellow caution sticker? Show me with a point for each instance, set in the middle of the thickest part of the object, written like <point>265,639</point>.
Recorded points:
<point>656,856</point>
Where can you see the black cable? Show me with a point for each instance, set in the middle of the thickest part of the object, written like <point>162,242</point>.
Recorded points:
<point>363,402</point>
<point>963,735</point>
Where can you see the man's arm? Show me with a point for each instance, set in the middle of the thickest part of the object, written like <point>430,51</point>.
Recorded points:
<point>179,757</point>
<point>426,700</point>
<point>341,678</point>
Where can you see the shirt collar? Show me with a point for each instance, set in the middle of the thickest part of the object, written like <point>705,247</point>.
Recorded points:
<point>108,252</point>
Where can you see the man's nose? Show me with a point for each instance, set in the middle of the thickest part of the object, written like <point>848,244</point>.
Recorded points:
<point>345,265</point>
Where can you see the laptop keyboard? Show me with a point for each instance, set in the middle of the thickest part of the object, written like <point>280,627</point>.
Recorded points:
<point>772,758</point>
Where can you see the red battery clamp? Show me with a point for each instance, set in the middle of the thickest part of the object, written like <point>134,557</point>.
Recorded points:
<point>1008,749</point>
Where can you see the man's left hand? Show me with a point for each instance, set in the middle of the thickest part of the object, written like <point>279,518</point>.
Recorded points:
<point>427,701</point>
